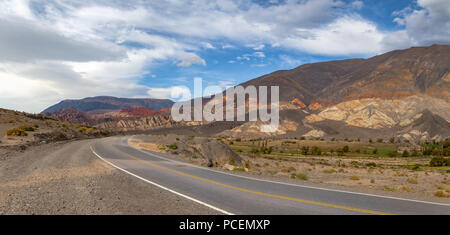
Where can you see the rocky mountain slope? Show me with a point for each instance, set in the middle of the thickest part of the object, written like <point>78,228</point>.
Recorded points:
<point>402,93</point>
<point>114,114</point>
<point>375,97</point>
<point>396,74</point>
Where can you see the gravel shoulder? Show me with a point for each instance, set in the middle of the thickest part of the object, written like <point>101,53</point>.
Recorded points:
<point>66,178</point>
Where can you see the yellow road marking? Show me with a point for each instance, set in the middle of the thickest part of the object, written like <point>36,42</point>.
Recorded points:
<point>256,192</point>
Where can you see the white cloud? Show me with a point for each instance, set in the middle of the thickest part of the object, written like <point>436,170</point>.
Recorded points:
<point>259,54</point>
<point>344,36</point>
<point>228,46</point>
<point>16,8</point>
<point>426,25</point>
<point>188,59</point>
<point>208,45</point>
<point>25,41</point>
<point>357,4</point>
<point>33,86</point>
<point>248,57</point>
<point>244,57</point>
<point>178,93</point>
<point>259,47</point>
<point>289,61</point>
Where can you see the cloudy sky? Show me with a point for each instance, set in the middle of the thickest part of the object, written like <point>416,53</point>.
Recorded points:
<point>64,49</point>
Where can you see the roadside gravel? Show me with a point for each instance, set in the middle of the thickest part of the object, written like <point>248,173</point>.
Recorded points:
<point>66,178</point>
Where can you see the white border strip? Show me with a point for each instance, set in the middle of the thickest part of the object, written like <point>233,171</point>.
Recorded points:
<point>162,187</point>
<point>296,185</point>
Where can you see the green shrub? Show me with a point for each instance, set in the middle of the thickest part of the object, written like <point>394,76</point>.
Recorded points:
<point>291,168</point>
<point>305,150</point>
<point>172,146</point>
<point>316,150</point>
<point>27,128</point>
<point>354,177</point>
<point>371,164</point>
<point>441,193</point>
<point>393,153</point>
<point>405,153</point>
<point>416,167</point>
<point>299,176</point>
<point>439,161</point>
<point>412,181</point>
<point>104,133</point>
<point>446,151</point>
<point>329,171</point>
<point>387,188</point>
<point>346,149</point>
<point>16,132</point>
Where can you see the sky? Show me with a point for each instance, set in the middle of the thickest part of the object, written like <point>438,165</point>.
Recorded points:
<point>69,49</point>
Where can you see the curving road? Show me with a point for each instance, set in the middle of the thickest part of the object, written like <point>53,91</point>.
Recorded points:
<point>232,194</point>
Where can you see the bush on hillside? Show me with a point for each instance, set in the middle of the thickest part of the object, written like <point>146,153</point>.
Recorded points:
<point>439,161</point>
<point>16,132</point>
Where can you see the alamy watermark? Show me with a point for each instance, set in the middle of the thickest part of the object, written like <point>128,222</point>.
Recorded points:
<point>235,109</point>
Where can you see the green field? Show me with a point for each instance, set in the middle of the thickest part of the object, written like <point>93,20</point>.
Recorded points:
<point>293,148</point>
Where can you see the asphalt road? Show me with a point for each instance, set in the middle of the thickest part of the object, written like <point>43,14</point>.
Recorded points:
<point>232,194</point>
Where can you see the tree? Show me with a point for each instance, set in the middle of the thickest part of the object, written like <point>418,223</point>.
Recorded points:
<point>346,149</point>
<point>316,151</point>
<point>446,151</point>
<point>305,150</point>
<point>392,140</point>
<point>440,161</point>
<point>405,153</point>
<point>393,153</point>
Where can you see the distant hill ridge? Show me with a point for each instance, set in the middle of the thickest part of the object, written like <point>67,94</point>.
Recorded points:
<point>103,104</point>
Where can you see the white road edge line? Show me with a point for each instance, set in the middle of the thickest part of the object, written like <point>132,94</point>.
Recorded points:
<point>162,187</point>
<point>296,185</point>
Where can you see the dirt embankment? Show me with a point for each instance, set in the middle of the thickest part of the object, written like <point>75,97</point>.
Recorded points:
<point>66,178</point>
<point>201,150</point>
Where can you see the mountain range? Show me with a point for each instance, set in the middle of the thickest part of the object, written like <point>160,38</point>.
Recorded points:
<point>104,104</point>
<point>402,93</point>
